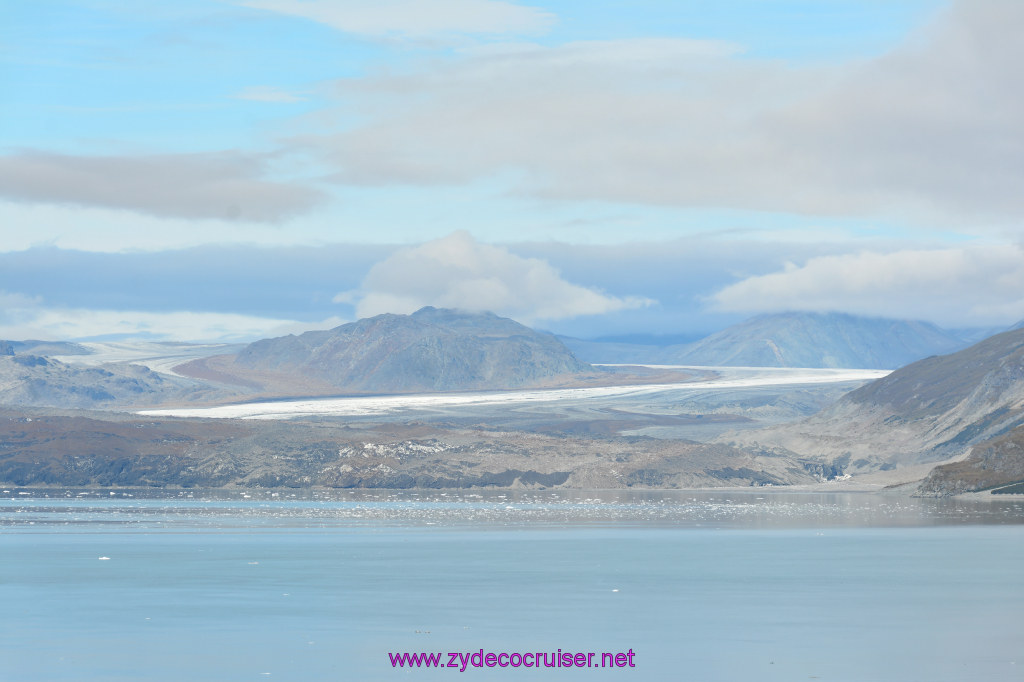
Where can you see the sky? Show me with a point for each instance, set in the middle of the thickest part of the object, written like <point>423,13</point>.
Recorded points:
<point>226,170</point>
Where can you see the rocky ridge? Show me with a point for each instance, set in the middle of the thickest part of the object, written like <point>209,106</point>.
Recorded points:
<point>429,351</point>
<point>91,449</point>
<point>932,410</point>
<point>27,379</point>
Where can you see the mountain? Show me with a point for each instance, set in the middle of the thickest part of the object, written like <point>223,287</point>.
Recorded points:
<point>613,352</point>
<point>430,350</point>
<point>793,340</point>
<point>27,379</point>
<point>45,348</point>
<point>997,463</point>
<point>817,340</point>
<point>928,411</point>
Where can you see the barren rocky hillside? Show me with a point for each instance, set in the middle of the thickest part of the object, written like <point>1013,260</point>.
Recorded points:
<point>929,411</point>
<point>430,350</point>
<point>27,379</point>
<point>81,449</point>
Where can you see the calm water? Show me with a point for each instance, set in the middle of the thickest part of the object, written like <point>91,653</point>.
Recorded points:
<point>701,586</point>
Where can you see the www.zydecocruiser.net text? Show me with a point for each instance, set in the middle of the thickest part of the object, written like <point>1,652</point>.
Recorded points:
<point>463,660</point>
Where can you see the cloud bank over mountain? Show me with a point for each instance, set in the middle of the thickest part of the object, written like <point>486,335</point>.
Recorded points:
<point>31,321</point>
<point>978,285</point>
<point>459,272</point>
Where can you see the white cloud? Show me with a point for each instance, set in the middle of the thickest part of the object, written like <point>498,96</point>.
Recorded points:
<point>266,93</point>
<point>28,318</point>
<point>24,225</point>
<point>982,285</point>
<point>459,272</point>
<point>414,18</point>
<point>930,131</point>
<point>209,185</point>
<point>10,302</point>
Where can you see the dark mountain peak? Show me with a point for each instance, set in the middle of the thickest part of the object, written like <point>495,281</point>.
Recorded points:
<point>811,339</point>
<point>453,318</point>
<point>807,315</point>
<point>433,349</point>
<point>430,312</point>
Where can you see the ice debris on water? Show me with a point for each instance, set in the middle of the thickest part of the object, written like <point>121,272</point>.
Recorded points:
<point>401,508</point>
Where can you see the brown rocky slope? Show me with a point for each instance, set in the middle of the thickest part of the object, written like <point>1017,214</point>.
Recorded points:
<point>929,411</point>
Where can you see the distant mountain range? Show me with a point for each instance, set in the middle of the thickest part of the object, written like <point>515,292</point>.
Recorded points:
<point>446,350</point>
<point>820,340</point>
<point>794,340</point>
<point>28,379</point>
<point>430,350</point>
<point>929,411</point>
<point>35,347</point>
<point>968,405</point>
